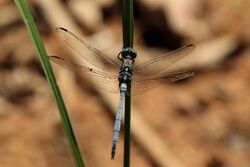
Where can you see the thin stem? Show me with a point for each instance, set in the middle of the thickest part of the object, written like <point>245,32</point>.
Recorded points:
<point>126,160</point>
<point>36,39</point>
<point>128,21</point>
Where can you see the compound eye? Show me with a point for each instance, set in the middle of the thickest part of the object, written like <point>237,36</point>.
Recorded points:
<point>128,51</point>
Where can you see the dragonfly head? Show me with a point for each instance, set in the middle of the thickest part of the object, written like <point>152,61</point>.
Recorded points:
<point>127,53</point>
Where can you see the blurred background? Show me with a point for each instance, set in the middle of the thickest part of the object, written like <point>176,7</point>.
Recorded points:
<point>201,122</point>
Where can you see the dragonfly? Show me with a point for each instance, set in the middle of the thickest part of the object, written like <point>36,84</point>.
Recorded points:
<point>139,76</point>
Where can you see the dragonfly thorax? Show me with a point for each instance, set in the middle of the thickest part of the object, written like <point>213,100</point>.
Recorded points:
<point>126,71</point>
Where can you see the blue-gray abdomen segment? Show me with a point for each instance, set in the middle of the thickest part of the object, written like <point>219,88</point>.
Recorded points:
<point>118,119</point>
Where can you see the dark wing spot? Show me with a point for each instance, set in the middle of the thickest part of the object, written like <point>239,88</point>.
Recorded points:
<point>55,57</point>
<point>62,29</point>
<point>190,45</point>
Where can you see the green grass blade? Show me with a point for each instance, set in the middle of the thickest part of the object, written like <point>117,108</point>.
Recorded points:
<point>28,19</point>
<point>128,24</point>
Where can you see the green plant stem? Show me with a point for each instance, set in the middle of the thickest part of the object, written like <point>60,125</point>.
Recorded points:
<point>128,23</point>
<point>28,19</point>
<point>126,159</point>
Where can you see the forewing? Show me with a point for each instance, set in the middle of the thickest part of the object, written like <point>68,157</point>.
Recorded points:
<point>83,48</point>
<point>160,65</point>
<point>102,80</point>
<point>141,84</point>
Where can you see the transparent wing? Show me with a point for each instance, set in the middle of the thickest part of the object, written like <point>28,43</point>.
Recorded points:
<point>141,84</point>
<point>107,82</point>
<point>83,48</point>
<point>160,65</point>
